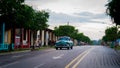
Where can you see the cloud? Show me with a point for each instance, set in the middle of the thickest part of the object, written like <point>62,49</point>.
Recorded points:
<point>91,24</point>
<point>69,6</point>
<point>77,11</point>
<point>41,1</point>
<point>61,18</point>
<point>92,15</point>
<point>82,17</point>
<point>87,15</point>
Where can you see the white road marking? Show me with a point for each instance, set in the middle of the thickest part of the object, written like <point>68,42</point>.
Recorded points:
<point>10,64</point>
<point>79,58</point>
<point>58,57</point>
<point>38,65</point>
<point>17,56</point>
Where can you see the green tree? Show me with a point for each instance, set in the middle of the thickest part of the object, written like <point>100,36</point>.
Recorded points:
<point>105,38</point>
<point>24,17</point>
<point>113,10</point>
<point>39,22</point>
<point>65,30</point>
<point>79,36</point>
<point>8,10</point>
<point>74,34</point>
<point>86,39</point>
<point>83,38</point>
<point>17,14</point>
<point>118,34</point>
<point>111,34</point>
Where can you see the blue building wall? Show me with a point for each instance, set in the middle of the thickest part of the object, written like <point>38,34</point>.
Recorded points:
<point>3,46</point>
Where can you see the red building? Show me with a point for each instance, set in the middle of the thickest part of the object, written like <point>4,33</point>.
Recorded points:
<point>22,38</point>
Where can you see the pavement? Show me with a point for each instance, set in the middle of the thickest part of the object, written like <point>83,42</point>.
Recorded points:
<point>14,52</point>
<point>23,51</point>
<point>118,51</point>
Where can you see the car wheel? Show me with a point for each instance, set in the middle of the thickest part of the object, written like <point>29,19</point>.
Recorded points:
<point>68,46</point>
<point>71,47</point>
<point>56,48</point>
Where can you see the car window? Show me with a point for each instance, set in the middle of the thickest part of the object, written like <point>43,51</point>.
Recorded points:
<point>63,38</point>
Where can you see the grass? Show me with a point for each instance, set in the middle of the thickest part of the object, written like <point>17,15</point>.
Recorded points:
<point>118,48</point>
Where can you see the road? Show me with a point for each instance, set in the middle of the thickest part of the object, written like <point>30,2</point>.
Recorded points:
<point>78,57</point>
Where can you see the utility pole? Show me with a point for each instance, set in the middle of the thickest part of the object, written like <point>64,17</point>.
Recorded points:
<point>68,23</point>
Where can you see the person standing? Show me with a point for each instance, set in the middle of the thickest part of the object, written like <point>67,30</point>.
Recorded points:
<point>39,43</point>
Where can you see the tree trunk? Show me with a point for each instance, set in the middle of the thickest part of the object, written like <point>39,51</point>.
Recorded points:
<point>34,39</point>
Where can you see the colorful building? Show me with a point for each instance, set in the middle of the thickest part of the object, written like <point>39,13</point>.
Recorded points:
<point>21,38</point>
<point>5,38</point>
<point>15,38</point>
<point>46,36</point>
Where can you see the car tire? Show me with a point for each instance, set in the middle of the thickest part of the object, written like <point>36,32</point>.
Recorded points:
<point>56,48</point>
<point>71,47</point>
<point>68,46</point>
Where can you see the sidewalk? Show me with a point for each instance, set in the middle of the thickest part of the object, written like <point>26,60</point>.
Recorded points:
<point>14,52</point>
<point>23,50</point>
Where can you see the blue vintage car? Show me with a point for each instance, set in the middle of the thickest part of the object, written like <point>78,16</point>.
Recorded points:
<point>64,42</point>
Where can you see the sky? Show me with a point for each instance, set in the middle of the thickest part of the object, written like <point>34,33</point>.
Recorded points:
<point>88,16</point>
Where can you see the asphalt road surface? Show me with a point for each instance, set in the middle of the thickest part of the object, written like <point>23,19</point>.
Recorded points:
<point>78,57</point>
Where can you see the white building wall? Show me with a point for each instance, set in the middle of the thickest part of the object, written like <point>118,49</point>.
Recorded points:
<point>42,37</point>
<point>38,34</point>
<point>47,37</point>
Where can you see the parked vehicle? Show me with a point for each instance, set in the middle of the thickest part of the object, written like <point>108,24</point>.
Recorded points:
<point>64,42</point>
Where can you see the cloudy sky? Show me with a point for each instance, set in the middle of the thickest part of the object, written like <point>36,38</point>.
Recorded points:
<point>88,16</point>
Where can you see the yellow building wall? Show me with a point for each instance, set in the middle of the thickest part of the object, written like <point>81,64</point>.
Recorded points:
<point>9,36</point>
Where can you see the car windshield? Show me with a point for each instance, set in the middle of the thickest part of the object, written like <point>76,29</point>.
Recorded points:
<point>64,38</point>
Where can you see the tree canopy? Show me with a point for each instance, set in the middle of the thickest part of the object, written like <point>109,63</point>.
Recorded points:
<point>113,10</point>
<point>82,37</point>
<point>67,30</point>
<point>17,14</point>
<point>8,10</point>
<point>24,17</point>
<point>40,19</point>
<point>111,34</point>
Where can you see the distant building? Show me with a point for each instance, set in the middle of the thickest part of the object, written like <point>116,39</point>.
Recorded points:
<point>95,42</point>
<point>118,41</point>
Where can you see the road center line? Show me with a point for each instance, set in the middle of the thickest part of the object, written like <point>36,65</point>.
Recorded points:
<point>73,61</point>
<point>81,59</point>
<point>57,57</point>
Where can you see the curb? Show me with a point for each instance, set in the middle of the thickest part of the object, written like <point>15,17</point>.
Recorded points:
<point>23,51</point>
<point>14,52</point>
